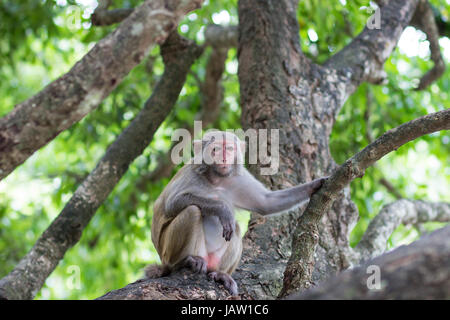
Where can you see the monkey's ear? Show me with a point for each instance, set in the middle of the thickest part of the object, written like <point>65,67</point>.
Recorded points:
<point>197,144</point>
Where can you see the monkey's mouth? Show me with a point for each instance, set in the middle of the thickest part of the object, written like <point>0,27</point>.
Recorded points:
<point>223,165</point>
<point>223,169</point>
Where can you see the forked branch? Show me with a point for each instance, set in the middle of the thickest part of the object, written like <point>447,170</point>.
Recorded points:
<point>299,269</point>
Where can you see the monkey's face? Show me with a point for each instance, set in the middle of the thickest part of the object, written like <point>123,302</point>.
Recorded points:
<point>222,156</point>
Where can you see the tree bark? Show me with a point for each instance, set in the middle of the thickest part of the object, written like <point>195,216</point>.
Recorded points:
<point>65,101</point>
<point>29,275</point>
<point>182,285</point>
<point>104,17</point>
<point>220,36</point>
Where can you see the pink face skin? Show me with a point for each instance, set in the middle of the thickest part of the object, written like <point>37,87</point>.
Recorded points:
<point>223,155</point>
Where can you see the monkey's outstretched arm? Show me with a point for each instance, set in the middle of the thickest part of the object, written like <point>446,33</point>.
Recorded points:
<point>207,206</point>
<point>252,195</point>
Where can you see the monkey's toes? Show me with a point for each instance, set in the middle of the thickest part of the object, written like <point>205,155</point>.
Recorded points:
<point>226,280</point>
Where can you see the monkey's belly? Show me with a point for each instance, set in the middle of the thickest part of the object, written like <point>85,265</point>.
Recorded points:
<point>214,241</point>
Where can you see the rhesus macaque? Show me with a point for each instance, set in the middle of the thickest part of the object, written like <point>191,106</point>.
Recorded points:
<point>193,218</point>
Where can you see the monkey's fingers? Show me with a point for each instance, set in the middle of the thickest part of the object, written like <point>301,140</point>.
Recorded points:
<point>317,184</point>
<point>228,231</point>
<point>228,227</point>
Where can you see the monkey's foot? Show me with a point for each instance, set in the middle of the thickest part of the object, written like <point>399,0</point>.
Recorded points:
<point>226,280</point>
<point>196,264</point>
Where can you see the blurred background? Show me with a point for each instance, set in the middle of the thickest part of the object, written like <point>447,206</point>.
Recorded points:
<point>42,39</point>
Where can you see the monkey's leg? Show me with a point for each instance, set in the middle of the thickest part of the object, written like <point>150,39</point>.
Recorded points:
<point>183,242</point>
<point>228,262</point>
<point>232,255</point>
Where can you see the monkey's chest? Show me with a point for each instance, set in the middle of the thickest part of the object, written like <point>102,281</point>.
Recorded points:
<point>213,231</point>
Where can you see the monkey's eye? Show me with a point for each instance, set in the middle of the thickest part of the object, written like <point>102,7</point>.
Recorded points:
<point>230,148</point>
<point>216,149</point>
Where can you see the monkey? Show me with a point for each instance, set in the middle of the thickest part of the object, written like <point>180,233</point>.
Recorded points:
<point>193,222</point>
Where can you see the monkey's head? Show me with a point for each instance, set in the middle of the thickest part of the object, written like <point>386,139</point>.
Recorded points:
<point>221,151</point>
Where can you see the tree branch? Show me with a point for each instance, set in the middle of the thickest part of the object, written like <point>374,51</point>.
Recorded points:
<point>38,120</point>
<point>425,20</point>
<point>399,269</point>
<point>104,17</point>
<point>363,58</point>
<point>215,35</point>
<point>369,136</point>
<point>420,270</point>
<point>305,238</point>
<point>64,232</point>
<point>181,285</point>
<point>442,24</point>
<point>407,212</point>
<point>211,91</point>
<point>389,187</point>
<point>220,36</point>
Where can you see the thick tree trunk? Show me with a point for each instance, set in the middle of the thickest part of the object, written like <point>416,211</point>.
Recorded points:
<point>279,90</point>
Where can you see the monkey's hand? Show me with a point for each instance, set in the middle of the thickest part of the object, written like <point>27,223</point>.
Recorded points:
<point>227,220</point>
<point>316,184</point>
<point>208,207</point>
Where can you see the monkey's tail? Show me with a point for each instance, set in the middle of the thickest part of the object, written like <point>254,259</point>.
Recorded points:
<point>153,271</point>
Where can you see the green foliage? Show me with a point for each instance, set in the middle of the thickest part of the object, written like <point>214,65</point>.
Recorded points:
<point>418,170</point>
<point>43,39</point>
